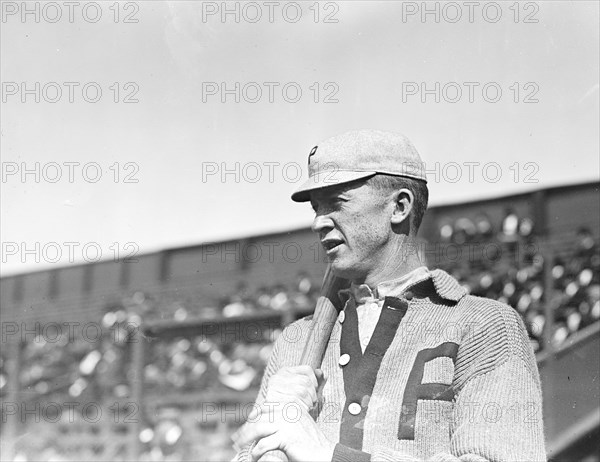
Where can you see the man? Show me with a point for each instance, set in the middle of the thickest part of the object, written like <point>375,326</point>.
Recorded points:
<point>415,368</point>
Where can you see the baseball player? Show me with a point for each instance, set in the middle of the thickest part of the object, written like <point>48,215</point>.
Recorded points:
<point>415,369</point>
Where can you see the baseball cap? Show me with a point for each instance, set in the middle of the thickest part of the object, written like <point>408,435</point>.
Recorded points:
<point>359,154</point>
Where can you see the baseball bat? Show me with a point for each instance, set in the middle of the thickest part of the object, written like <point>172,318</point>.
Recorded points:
<point>324,317</point>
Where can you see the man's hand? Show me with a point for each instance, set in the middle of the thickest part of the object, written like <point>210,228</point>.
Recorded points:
<point>287,427</point>
<point>283,421</point>
<point>299,384</point>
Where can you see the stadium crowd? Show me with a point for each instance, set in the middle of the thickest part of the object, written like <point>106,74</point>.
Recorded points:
<point>506,264</point>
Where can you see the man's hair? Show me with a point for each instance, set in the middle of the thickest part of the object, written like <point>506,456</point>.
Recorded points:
<point>389,183</point>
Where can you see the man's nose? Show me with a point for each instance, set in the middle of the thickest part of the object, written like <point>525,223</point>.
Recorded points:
<point>320,223</point>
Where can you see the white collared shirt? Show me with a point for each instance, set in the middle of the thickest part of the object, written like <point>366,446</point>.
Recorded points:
<point>369,304</point>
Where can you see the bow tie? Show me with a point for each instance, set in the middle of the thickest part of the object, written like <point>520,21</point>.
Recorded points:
<point>363,294</point>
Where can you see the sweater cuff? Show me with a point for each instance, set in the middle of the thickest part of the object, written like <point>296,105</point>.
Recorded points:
<point>343,453</point>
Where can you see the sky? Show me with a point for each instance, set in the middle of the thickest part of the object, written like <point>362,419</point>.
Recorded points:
<point>163,124</point>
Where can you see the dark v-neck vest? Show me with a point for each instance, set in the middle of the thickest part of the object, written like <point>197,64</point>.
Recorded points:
<point>360,372</point>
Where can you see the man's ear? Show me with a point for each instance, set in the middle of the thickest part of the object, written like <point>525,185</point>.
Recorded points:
<point>404,200</point>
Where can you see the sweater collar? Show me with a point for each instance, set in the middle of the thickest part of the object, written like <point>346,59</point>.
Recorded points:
<point>446,286</point>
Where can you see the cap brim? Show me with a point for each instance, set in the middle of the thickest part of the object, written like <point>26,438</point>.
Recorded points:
<point>325,180</point>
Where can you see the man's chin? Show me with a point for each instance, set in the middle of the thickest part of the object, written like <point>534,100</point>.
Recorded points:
<point>339,269</point>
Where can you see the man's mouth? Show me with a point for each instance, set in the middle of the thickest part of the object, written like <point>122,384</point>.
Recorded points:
<point>330,244</point>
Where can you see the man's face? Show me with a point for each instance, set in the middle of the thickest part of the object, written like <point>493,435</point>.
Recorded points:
<point>353,224</point>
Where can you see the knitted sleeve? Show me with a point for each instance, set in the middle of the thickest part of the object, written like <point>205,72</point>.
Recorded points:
<point>286,351</point>
<point>271,368</point>
<point>497,414</point>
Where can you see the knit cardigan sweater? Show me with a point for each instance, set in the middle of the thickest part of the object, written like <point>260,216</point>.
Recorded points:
<point>446,377</point>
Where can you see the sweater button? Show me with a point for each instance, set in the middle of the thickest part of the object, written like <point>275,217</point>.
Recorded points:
<point>344,359</point>
<point>354,408</point>
<point>408,295</point>
<point>342,316</point>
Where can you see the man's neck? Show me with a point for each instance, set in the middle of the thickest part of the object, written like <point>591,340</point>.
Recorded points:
<point>400,261</point>
<point>388,274</point>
